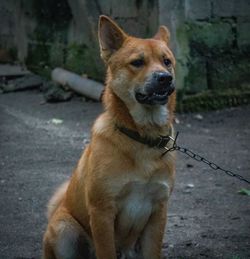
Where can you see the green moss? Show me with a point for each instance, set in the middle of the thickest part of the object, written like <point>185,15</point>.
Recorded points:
<point>214,100</point>
<point>13,53</point>
<point>183,41</point>
<point>182,55</point>
<point>196,79</point>
<point>216,72</point>
<point>209,37</point>
<point>38,54</point>
<point>207,57</point>
<point>46,44</point>
<point>38,58</point>
<point>56,54</point>
<point>78,58</point>
<point>43,71</point>
<point>82,60</point>
<point>75,57</point>
<point>229,70</point>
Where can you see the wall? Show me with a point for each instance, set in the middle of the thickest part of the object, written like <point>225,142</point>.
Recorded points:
<point>211,39</point>
<point>46,33</point>
<point>15,27</point>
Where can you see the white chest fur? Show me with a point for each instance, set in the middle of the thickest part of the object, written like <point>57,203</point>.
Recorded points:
<point>154,115</point>
<point>137,201</point>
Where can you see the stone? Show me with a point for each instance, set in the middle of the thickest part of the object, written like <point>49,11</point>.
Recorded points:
<point>232,8</point>
<point>53,92</point>
<point>26,82</point>
<point>198,10</point>
<point>243,35</point>
<point>228,71</point>
<point>56,54</point>
<point>115,7</point>
<point>196,80</point>
<point>210,36</point>
<point>7,70</point>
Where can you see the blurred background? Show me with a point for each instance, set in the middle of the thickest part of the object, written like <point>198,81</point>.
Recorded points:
<point>210,39</point>
<point>41,139</point>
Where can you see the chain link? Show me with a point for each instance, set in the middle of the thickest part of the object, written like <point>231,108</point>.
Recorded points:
<point>199,158</point>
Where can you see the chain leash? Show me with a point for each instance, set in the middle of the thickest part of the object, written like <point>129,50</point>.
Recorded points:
<point>199,158</point>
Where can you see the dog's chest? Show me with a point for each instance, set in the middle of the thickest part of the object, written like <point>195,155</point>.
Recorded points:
<point>136,202</point>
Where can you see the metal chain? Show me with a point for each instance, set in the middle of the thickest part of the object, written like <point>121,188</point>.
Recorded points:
<point>201,159</point>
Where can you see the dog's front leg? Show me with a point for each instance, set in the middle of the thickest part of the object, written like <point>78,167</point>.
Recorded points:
<point>102,228</point>
<point>152,238</point>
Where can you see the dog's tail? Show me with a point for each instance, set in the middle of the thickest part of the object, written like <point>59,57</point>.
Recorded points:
<point>56,199</point>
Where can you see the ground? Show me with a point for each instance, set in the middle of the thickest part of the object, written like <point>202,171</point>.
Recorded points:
<point>207,217</point>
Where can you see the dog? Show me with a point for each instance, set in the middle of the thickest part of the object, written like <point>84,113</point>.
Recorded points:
<point>115,204</point>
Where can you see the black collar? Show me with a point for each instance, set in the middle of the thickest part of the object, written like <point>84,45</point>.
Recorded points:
<point>159,142</point>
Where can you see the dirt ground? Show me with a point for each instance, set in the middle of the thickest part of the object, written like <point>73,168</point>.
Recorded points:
<point>40,144</point>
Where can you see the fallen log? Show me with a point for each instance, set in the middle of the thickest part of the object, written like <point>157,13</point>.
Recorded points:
<point>84,86</point>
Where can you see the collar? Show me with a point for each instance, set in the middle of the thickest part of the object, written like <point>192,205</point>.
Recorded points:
<point>159,142</point>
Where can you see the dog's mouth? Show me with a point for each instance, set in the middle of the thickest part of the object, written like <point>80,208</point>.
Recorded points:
<point>159,96</point>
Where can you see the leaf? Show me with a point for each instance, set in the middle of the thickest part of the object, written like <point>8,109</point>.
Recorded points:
<point>57,121</point>
<point>244,191</point>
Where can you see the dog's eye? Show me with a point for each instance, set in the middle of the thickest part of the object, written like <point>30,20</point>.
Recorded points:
<point>167,62</point>
<point>137,63</point>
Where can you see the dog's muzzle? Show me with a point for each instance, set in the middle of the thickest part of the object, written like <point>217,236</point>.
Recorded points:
<point>157,89</point>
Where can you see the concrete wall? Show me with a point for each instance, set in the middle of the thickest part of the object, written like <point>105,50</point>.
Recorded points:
<point>210,38</point>
<point>48,33</point>
<point>15,26</point>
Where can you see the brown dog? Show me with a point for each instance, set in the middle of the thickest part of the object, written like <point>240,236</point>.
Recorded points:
<point>115,204</point>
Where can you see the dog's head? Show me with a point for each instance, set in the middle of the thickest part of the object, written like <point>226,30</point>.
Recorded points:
<point>140,71</point>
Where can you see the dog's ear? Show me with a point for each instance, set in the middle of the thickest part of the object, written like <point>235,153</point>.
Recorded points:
<point>163,34</point>
<point>111,37</point>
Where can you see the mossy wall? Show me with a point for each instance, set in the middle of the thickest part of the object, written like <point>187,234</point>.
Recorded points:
<point>210,38</point>
<point>211,41</point>
<point>64,32</point>
<point>215,58</point>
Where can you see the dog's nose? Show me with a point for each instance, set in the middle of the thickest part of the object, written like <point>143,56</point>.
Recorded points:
<point>163,78</point>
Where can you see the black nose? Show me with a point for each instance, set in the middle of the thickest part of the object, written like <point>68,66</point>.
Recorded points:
<point>163,78</point>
